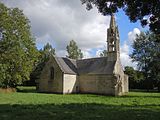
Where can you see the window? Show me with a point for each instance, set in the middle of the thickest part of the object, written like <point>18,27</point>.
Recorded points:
<point>52,73</point>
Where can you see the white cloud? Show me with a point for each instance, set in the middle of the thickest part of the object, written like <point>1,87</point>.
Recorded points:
<point>132,35</point>
<point>126,47</point>
<point>59,21</point>
<point>62,53</point>
<point>98,52</point>
<point>86,54</point>
<point>124,56</point>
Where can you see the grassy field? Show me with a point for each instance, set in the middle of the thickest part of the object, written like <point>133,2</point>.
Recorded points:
<point>29,105</point>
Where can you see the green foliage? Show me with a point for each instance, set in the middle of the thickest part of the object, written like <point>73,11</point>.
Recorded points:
<point>45,54</point>
<point>37,106</point>
<point>17,48</point>
<point>47,51</point>
<point>147,53</point>
<point>73,51</point>
<point>4,75</point>
<point>104,53</point>
<point>144,10</point>
<point>136,78</point>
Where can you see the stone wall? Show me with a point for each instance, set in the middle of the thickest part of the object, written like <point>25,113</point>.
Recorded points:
<point>122,79</point>
<point>45,83</point>
<point>70,84</point>
<point>99,84</point>
<point>126,83</point>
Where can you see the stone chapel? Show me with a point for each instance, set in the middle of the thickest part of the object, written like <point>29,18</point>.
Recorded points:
<point>102,75</point>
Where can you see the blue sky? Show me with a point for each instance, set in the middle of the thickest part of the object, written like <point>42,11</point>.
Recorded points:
<point>59,21</point>
<point>124,25</point>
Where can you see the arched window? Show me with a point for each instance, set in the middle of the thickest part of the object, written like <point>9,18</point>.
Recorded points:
<point>52,73</point>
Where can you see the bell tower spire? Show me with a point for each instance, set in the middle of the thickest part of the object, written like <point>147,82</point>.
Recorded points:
<point>112,22</point>
<point>113,39</point>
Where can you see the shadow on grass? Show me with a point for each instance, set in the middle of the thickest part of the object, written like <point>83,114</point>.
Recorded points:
<point>144,91</point>
<point>127,96</point>
<point>142,96</point>
<point>26,89</point>
<point>77,111</point>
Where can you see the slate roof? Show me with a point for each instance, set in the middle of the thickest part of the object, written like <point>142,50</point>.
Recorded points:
<point>67,65</point>
<point>95,66</point>
<point>98,65</point>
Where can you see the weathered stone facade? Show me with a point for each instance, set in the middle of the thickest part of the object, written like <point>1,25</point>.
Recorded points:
<point>103,75</point>
<point>45,83</point>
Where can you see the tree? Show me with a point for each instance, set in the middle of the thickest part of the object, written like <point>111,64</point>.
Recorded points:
<point>136,78</point>
<point>73,51</point>
<point>104,53</point>
<point>148,12</point>
<point>45,54</point>
<point>146,52</point>
<point>47,51</point>
<point>18,53</point>
<point>154,65</point>
<point>132,76</point>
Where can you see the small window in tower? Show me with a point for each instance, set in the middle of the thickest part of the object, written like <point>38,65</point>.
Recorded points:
<point>113,49</point>
<point>112,32</point>
<point>52,73</point>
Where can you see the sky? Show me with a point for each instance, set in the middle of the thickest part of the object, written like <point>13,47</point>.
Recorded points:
<point>59,21</point>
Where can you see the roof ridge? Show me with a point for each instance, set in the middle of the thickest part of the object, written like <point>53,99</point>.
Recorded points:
<point>91,58</point>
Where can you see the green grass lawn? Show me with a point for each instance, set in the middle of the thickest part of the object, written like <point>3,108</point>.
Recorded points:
<point>29,105</point>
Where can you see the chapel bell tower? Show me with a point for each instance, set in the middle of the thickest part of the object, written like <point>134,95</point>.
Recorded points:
<point>113,50</point>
